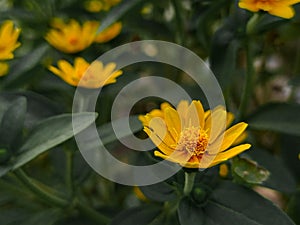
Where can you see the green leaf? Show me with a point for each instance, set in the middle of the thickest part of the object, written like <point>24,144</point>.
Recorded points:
<point>46,217</point>
<point>12,124</point>
<point>267,22</point>
<point>231,201</point>
<point>290,150</point>
<point>278,117</point>
<point>23,65</point>
<point>280,178</point>
<point>116,13</point>
<point>51,132</point>
<point>159,192</point>
<point>107,133</point>
<point>142,215</point>
<point>189,213</point>
<point>248,171</point>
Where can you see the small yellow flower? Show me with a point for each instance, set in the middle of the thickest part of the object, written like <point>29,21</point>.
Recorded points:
<point>4,67</point>
<point>86,75</point>
<point>185,135</point>
<point>8,40</point>
<point>280,8</point>
<point>109,33</point>
<point>223,170</point>
<point>71,37</point>
<point>99,5</point>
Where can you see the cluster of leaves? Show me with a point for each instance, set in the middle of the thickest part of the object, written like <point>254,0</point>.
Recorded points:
<point>36,124</point>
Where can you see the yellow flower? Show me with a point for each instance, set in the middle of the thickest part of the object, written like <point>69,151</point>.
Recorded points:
<point>99,5</point>
<point>4,67</point>
<point>86,75</point>
<point>223,170</point>
<point>185,135</point>
<point>71,37</point>
<point>8,40</point>
<point>280,8</point>
<point>109,33</point>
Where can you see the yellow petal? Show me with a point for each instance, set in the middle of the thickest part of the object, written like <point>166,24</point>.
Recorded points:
<point>223,156</point>
<point>249,6</point>
<point>200,112</point>
<point>218,118</point>
<point>173,122</point>
<point>286,12</point>
<point>160,136</point>
<point>232,134</point>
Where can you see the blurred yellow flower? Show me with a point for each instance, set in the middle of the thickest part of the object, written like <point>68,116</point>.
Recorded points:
<point>71,37</point>
<point>223,170</point>
<point>8,40</point>
<point>185,135</point>
<point>4,67</point>
<point>109,33</point>
<point>280,8</point>
<point>99,5</point>
<point>86,75</point>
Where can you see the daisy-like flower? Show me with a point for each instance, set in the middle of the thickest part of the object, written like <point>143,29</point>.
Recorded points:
<point>8,40</point>
<point>109,33</point>
<point>71,37</point>
<point>280,8</point>
<point>4,67</point>
<point>86,75</point>
<point>194,138</point>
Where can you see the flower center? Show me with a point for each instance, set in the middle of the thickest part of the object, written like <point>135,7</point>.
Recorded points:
<point>193,140</point>
<point>73,41</point>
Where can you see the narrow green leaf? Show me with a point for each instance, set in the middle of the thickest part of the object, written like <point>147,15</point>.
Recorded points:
<point>26,63</point>
<point>46,217</point>
<point>142,215</point>
<point>12,124</point>
<point>280,117</point>
<point>245,204</point>
<point>51,132</point>
<point>189,213</point>
<point>116,13</point>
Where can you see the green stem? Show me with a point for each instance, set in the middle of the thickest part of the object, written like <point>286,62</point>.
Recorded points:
<point>69,171</point>
<point>179,21</point>
<point>38,191</point>
<point>91,213</point>
<point>189,182</point>
<point>248,88</point>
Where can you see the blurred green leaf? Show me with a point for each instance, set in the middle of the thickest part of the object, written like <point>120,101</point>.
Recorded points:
<point>23,65</point>
<point>45,217</point>
<point>293,207</point>
<point>290,150</point>
<point>107,134</point>
<point>267,22</point>
<point>280,178</point>
<point>51,132</point>
<point>12,124</point>
<point>142,215</point>
<point>248,171</point>
<point>117,12</point>
<point>232,204</point>
<point>159,192</point>
<point>189,213</point>
<point>280,117</point>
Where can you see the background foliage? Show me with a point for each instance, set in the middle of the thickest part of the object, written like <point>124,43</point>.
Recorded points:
<point>44,179</point>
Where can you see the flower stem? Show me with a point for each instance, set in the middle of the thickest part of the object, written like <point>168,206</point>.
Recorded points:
<point>248,88</point>
<point>69,171</point>
<point>179,21</point>
<point>38,191</point>
<point>189,182</point>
